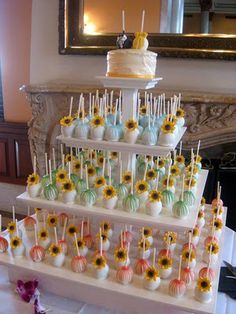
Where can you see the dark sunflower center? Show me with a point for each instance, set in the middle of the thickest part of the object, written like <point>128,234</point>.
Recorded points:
<point>109,192</point>
<point>53,220</point>
<point>120,254</point>
<point>167,127</point>
<point>150,174</point>
<point>43,234</point>
<point>97,121</point>
<point>67,121</point>
<point>12,228</point>
<point>72,230</point>
<point>80,243</point>
<point>55,250</point>
<point>104,237</point>
<point>146,232</point>
<point>99,181</point>
<point>178,113</point>
<point>77,166</point>
<point>164,261</point>
<point>32,179</point>
<point>155,196</point>
<point>99,261</point>
<point>216,224</point>
<point>67,186</point>
<point>150,273</point>
<point>187,255</point>
<point>204,284</point>
<point>61,176</point>
<point>127,178</point>
<point>130,125</point>
<point>141,187</point>
<point>15,242</point>
<point>105,226</point>
<point>90,171</point>
<point>173,171</point>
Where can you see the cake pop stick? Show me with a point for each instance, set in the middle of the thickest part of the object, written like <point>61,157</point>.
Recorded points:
<point>157,182</point>
<point>50,170</point>
<point>55,234</point>
<point>142,22</point>
<point>121,238</point>
<point>64,229</point>
<point>76,244</point>
<point>100,245</point>
<point>90,104</point>
<point>36,235</point>
<point>115,114</point>
<point>144,247</point>
<point>69,169</point>
<point>132,183</point>
<point>81,166</point>
<point>149,115</point>
<point>180,263</point>
<point>46,163</point>
<point>34,165</point>
<point>71,104</point>
<point>109,167</point>
<point>179,100</point>
<point>103,166</point>
<point>13,214</point>
<point>182,191</point>
<point>82,230</point>
<point>86,175</point>
<point>53,158</point>
<point>63,161</point>
<point>28,210</point>
<point>154,257</point>
<point>17,230</point>
<point>145,171</point>
<point>123,20</point>
<point>198,148</point>
<point>155,111</point>
<point>180,147</point>
<point>121,171</point>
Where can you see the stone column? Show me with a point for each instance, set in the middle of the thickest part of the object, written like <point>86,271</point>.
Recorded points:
<point>205,11</point>
<point>177,17</point>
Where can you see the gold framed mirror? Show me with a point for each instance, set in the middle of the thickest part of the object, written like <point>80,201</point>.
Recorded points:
<point>75,39</point>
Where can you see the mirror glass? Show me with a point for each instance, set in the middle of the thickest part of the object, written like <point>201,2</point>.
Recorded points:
<point>178,16</point>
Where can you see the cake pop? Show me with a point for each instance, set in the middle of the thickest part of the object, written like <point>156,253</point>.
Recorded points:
<point>144,248</point>
<point>131,201</point>
<point>3,241</point>
<point>147,233</point>
<point>180,208</point>
<point>62,217</point>
<point>165,266</point>
<point>211,252</point>
<point>127,234</point>
<point>67,125</point>
<point>57,256</point>
<point>201,219</point>
<point>217,202</point>
<point>88,236</point>
<point>218,225</point>
<point>112,132</point>
<point>78,262</point>
<point>68,189</point>
<point>122,190</point>
<point>177,286</point>
<point>50,191</point>
<point>63,243</point>
<point>207,272</point>
<point>11,227</point>
<point>81,243</point>
<point>97,128</point>
<point>180,113</point>
<point>106,228</point>
<point>110,197</point>
<point>39,214</point>
<point>16,243</point>
<point>120,254</point>
<point>37,252</point>
<point>105,240</point>
<point>154,203</point>
<point>81,130</point>
<point>29,221</point>
<point>203,203</point>
<point>203,290</point>
<point>167,136</point>
<point>131,132</point>
<point>81,185</point>
<point>170,239</point>
<point>151,276</point>
<point>88,197</point>
<point>140,266</point>
<point>33,182</point>
<point>151,178</point>
<point>125,273</point>
<point>101,269</point>
<point>149,135</point>
<point>188,196</point>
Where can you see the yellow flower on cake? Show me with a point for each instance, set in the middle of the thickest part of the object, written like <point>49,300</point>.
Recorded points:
<point>204,284</point>
<point>103,235</point>
<point>109,192</point>
<point>71,230</point>
<point>186,257</point>
<point>170,182</point>
<point>69,158</point>
<point>141,186</point>
<point>99,262</point>
<point>151,273</point>
<point>120,255</point>
<point>143,110</point>
<point>61,176</point>
<point>66,121</point>
<point>170,236</point>
<point>100,161</point>
<point>43,234</point>
<point>203,200</point>
<point>67,186</point>
<point>175,171</point>
<point>131,125</point>
<point>55,250</point>
<point>154,196</point>
<point>33,179</point>
<point>180,113</point>
<point>76,165</point>
<point>99,182</point>
<point>171,118</point>
<point>147,244</point>
<point>15,242</point>
<point>197,159</point>
<point>38,210</point>
<point>52,220</point>
<point>213,247</point>
<point>190,182</point>
<point>91,171</point>
<point>189,170</point>
<point>196,232</point>
<point>180,159</point>
<point>151,174</point>
<point>168,127</point>
<point>147,232</point>
<point>11,227</point>
<point>126,178</point>
<point>217,211</point>
<point>218,223</point>
<point>114,155</point>
<point>164,262</point>
<point>161,163</point>
<point>97,121</point>
<point>105,226</point>
<point>81,243</point>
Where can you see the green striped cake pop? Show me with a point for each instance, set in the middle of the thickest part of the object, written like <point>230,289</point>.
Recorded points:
<point>89,196</point>
<point>131,201</point>
<point>50,191</point>
<point>122,191</point>
<point>167,198</point>
<point>180,208</point>
<point>189,198</point>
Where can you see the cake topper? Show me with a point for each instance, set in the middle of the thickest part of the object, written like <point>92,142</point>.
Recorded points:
<point>140,40</point>
<point>123,41</point>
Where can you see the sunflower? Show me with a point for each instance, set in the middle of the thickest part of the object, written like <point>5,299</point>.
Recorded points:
<point>171,118</point>
<point>131,125</point>
<point>99,182</point>
<point>151,175</point>
<point>105,226</point>
<point>185,255</point>
<point>109,192</point>
<point>180,113</point>
<point>143,110</point>
<point>165,262</point>
<point>120,255</point>
<point>197,159</point>
<point>147,244</point>
<point>11,227</point>
<point>81,243</point>
<point>213,247</point>
<point>196,232</point>
<point>52,220</point>
<point>54,250</point>
<point>151,273</point>
<point>188,181</point>
<point>33,179</point>
<point>170,236</point>
<point>38,210</point>
<point>80,114</point>
<point>15,242</point>
<point>103,235</point>
<point>67,186</point>
<point>204,284</point>
<point>147,232</point>
<point>114,155</point>
<point>203,200</point>
<point>189,169</point>
<point>161,163</point>
<point>69,158</point>
<point>76,165</point>
<point>100,161</point>
<point>99,262</point>
<point>170,182</point>
<point>91,171</point>
<point>218,224</point>
<point>43,234</point>
<point>168,127</point>
<point>201,214</point>
<point>126,178</point>
<point>180,159</point>
<point>154,196</point>
<point>216,211</point>
<point>66,121</point>
<point>71,230</point>
<point>174,171</point>
<point>141,186</point>
<point>61,175</point>
<point>97,121</point>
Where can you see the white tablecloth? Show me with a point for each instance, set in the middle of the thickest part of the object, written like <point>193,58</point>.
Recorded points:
<point>10,302</point>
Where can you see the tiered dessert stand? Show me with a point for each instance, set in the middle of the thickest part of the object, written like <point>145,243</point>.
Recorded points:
<point>108,293</point>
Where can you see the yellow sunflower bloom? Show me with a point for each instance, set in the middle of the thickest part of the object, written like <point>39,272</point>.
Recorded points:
<point>151,175</point>
<point>147,244</point>
<point>147,232</point>
<point>161,163</point>
<point>97,121</point>
<point>11,227</point>
<point>99,182</point>
<point>61,176</point>
<point>218,223</point>
<point>71,230</point>
<point>168,127</point>
<point>170,236</point>
<point>91,171</point>
<point>197,159</point>
<point>67,186</point>
<point>54,250</point>
<point>216,211</point>
<point>114,155</point>
<point>180,113</point>
<point>126,178</point>
<point>103,235</point>
<point>69,158</point>
<point>131,125</point>
<point>99,262</point>
<point>81,243</point>
<point>213,247</point>
<point>203,200</point>
<point>174,171</point>
<point>43,234</point>
<point>143,110</point>
<point>154,196</point>
<point>66,121</point>
<point>185,255</point>
<point>192,183</point>
<point>170,183</point>
<point>15,242</point>
<point>105,226</point>
<point>52,220</point>
<point>100,161</point>
<point>33,179</point>
<point>120,255</point>
<point>141,186</point>
<point>109,192</point>
<point>204,284</point>
<point>180,159</point>
<point>189,169</point>
<point>151,273</point>
<point>164,262</point>
<point>76,166</point>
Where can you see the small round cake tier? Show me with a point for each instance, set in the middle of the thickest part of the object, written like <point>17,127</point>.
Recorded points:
<point>131,63</point>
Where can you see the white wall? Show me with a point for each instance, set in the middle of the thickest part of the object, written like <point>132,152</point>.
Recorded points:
<point>47,65</point>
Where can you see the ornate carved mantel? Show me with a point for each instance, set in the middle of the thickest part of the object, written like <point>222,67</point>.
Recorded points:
<point>210,117</point>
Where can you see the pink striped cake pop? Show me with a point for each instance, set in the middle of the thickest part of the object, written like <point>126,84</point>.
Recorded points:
<point>88,236</point>
<point>186,246</point>
<point>164,252</point>
<point>127,235</point>
<point>3,241</point>
<point>124,275</point>
<point>210,239</point>
<point>141,264</point>
<point>29,223</point>
<point>207,272</point>
<point>187,275</point>
<point>62,217</point>
<point>78,262</point>
<point>217,202</point>
<point>37,252</point>
<point>177,287</point>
